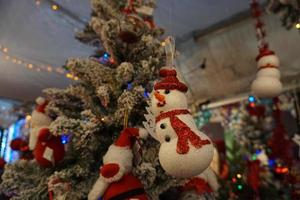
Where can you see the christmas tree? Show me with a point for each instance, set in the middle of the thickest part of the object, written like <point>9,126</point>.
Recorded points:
<point>109,87</point>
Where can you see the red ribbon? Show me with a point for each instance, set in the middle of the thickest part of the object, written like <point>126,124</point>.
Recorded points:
<point>184,133</point>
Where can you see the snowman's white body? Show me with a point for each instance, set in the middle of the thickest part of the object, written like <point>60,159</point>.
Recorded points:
<point>180,165</point>
<point>267,83</point>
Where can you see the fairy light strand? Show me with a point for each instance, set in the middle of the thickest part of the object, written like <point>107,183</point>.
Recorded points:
<point>31,66</point>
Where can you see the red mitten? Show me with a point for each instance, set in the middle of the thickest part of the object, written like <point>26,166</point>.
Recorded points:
<point>111,172</point>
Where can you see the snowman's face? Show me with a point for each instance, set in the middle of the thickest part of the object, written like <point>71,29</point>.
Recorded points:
<point>166,100</point>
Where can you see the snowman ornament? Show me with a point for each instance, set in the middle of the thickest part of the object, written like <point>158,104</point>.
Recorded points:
<point>185,152</point>
<point>267,83</point>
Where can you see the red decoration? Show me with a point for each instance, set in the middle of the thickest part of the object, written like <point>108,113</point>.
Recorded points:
<point>49,150</point>
<point>128,187</point>
<point>2,163</point>
<point>184,133</point>
<point>170,81</point>
<point>253,174</point>
<point>258,110</point>
<point>18,144</point>
<point>279,142</point>
<point>198,184</point>
<point>259,26</point>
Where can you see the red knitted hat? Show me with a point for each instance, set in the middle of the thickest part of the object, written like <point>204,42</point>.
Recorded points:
<point>41,104</point>
<point>264,52</point>
<point>170,81</point>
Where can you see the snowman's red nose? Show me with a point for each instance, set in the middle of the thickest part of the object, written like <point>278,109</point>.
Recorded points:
<point>159,97</point>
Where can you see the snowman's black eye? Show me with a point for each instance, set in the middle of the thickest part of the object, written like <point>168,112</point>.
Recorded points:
<point>167,138</point>
<point>163,126</point>
<point>167,91</point>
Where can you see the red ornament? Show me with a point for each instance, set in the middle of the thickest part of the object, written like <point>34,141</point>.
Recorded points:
<point>253,174</point>
<point>49,150</point>
<point>279,142</point>
<point>18,144</point>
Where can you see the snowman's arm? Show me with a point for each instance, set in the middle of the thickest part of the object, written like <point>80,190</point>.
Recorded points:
<point>98,189</point>
<point>212,179</point>
<point>44,135</point>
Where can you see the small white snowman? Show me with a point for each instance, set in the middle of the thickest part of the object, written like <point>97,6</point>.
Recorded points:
<point>185,152</point>
<point>267,83</point>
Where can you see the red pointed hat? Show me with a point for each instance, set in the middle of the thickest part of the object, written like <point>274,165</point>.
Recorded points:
<point>170,81</point>
<point>127,137</point>
<point>264,52</point>
<point>41,104</point>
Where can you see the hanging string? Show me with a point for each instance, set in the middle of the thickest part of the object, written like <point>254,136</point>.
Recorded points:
<point>170,51</point>
<point>126,117</point>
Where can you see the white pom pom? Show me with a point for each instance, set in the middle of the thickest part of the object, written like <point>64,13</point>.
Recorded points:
<point>143,133</point>
<point>40,100</point>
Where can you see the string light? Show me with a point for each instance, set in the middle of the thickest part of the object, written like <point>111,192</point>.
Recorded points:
<point>30,66</point>
<point>239,176</point>
<point>49,69</point>
<point>28,117</point>
<point>298,25</point>
<point>37,2</point>
<point>239,187</point>
<point>54,7</point>
<point>251,99</point>
<point>42,68</point>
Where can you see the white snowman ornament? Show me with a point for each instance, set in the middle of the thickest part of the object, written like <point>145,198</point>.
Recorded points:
<point>185,152</point>
<point>267,83</point>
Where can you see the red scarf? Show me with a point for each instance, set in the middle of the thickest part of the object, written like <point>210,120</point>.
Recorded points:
<point>198,184</point>
<point>184,133</point>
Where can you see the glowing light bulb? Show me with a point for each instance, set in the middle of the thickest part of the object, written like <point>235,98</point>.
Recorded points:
<point>7,57</point>
<point>37,2</point>
<point>240,187</point>
<point>76,78</point>
<point>68,75</point>
<point>30,66</point>
<point>19,62</point>
<point>54,7</point>
<point>28,117</point>
<point>49,69</point>
<point>239,176</point>
<point>298,25</point>
<point>163,44</point>
<point>251,99</point>
<point>5,50</point>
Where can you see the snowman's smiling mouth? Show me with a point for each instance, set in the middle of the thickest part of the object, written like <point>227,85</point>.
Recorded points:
<point>161,103</point>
